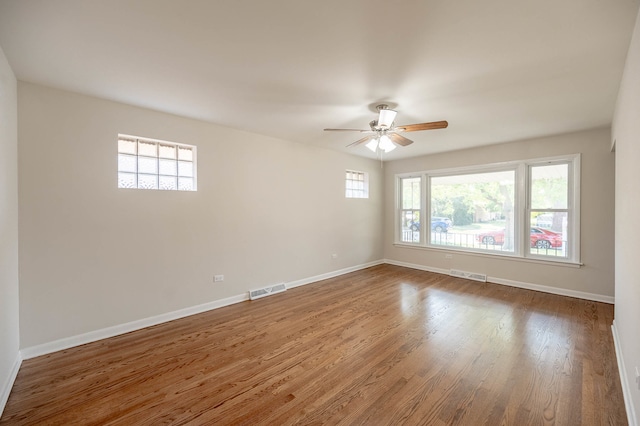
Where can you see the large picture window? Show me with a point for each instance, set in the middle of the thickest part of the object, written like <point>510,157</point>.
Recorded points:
<point>480,205</point>
<point>524,209</point>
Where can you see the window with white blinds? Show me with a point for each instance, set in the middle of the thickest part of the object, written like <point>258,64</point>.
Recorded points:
<point>153,164</point>
<point>357,184</point>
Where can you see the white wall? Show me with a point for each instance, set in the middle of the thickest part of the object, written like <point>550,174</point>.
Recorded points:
<point>597,213</point>
<point>626,134</point>
<point>9,331</point>
<point>94,256</point>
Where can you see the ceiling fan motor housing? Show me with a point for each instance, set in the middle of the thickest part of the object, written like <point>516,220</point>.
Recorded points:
<point>386,135</point>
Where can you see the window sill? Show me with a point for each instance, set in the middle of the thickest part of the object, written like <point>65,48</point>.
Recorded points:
<point>499,256</point>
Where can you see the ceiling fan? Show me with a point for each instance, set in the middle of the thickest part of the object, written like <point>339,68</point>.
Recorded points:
<point>384,134</point>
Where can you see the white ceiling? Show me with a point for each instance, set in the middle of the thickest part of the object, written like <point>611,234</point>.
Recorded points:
<point>497,70</point>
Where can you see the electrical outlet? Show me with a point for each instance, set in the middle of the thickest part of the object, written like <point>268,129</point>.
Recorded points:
<point>218,278</point>
<point>448,256</point>
<point>334,256</point>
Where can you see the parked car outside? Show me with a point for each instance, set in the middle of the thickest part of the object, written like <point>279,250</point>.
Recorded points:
<point>539,238</point>
<point>446,220</point>
<point>438,224</point>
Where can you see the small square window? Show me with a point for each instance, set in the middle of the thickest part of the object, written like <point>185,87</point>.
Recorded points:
<point>356,184</point>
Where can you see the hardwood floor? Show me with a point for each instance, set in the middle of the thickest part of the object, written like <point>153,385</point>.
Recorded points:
<point>382,346</point>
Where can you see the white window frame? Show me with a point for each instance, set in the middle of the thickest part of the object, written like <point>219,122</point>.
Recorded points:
<point>573,203</point>
<point>400,211</point>
<point>350,184</point>
<point>158,157</point>
<point>522,208</point>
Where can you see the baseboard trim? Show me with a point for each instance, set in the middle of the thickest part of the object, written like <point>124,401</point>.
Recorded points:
<point>8,385</point>
<point>416,266</point>
<point>554,290</point>
<point>626,389</point>
<point>105,333</point>
<point>333,274</point>
<point>518,284</point>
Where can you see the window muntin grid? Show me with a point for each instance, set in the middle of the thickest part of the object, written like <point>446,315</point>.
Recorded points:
<point>356,184</point>
<point>152,164</point>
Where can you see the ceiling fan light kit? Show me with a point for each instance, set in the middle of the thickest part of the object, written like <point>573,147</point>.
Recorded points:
<point>386,117</point>
<point>372,145</point>
<point>383,143</point>
<point>385,136</point>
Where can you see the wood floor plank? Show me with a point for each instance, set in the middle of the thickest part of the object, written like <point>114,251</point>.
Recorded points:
<point>383,346</point>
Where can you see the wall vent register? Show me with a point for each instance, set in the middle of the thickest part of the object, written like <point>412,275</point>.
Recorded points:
<point>153,164</point>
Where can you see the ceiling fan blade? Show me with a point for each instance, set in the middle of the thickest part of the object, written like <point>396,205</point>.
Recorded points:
<point>423,126</point>
<point>346,130</point>
<point>359,141</point>
<point>399,139</point>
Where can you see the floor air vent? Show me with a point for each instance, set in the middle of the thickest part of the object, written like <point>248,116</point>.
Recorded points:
<point>267,291</point>
<point>468,275</point>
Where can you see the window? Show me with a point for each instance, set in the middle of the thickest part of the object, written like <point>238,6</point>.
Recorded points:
<point>548,209</point>
<point>481,207</point>
<point>524,209</point>
<point>356,184</point>
<point>411,205</point>
<point>151,164</point>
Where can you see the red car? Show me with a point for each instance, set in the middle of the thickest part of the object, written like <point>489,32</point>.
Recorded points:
<point>540,238</point>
